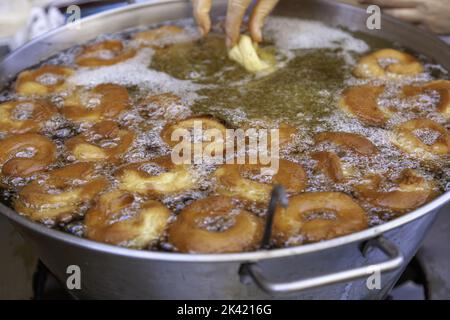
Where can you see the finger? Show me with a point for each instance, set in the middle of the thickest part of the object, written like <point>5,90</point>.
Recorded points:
<point>411,15</point>
<point>262,9</point>
<point>201,15</point>
<point>391,3</point>
<point>235,14</point>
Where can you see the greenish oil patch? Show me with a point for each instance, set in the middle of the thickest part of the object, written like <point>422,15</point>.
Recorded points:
<point>302,92</point>
<point>204,61</point>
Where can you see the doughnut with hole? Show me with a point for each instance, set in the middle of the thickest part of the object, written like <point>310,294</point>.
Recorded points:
<point>405,138</point>
<point>362,103</point>
<point>159,176</point>
<point>188,125</point>
<point>215,225</point>
<point>442,87</point>
<point>44,80</point>
<point>118,218</point>
<point>106,53</point>
<point>241,180</point>
<point>316,216</point>
<point>17,117</point>
<point>350,141</point>
<point>25,154</point>
<point>411,190</point>
<point>387,62</point>
<point>105,142</point>
<point>58,195</point>
<point>103,102</point>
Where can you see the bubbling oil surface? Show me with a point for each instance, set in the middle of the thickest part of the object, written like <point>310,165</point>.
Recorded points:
<point>314,66</point>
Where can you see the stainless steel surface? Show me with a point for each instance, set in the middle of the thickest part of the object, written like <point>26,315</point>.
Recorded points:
<point>434,258</point>
<point>113,272</point>
<point>251,271</point>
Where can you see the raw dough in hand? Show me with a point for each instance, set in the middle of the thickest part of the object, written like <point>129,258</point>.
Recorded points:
<point>245,53</point>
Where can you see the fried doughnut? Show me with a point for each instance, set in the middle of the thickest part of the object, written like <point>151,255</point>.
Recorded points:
<point>387,62</point>
<point>285,134</point>
<point>17,117</point>
<point>163,106</point>
<point>58,195</point>
<point>350,141</point>
<point>406,140</point>
<point>118,219</point>
<point>215,225</point>
<point>153,37</point>
<point>317,216</point>
<point>442,87</point>
<point>362,102</point>
<point>104,53</point>
<point>147,177</point>
<point>411,191</point>
<point>105,141</point>
<point>25,154</point>
<point>103,102</point>
<point>206,122</point>
<point>44,80</point>
<point>163,100</point>
<point>240,180</point>
<point>330,164</point>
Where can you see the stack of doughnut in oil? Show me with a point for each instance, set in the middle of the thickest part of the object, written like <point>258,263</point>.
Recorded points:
<point>72,157</point>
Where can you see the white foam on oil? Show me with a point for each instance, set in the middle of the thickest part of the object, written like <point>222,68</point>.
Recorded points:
<point>131,72</point>
<point>292,34</point>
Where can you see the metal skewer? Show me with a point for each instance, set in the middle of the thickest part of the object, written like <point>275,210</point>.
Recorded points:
<point>278,196</point>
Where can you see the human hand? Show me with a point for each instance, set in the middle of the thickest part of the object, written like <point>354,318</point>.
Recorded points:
<point>235,13</point>
<point>432,14</point>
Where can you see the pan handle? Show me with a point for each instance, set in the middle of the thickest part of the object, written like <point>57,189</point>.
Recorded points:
<point>251,271</point>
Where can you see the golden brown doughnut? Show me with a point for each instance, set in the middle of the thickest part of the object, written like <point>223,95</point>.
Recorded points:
<point>171,179</point>
<point>197,227</point>
<point>104,53</point>
<point>58,195</point>
<point>238,180</point>
<point>25,154</point>
<point>117,219</point>
<point>44,80</point>
<point>443,89</point>
<point>163,100</point>
<point>204,122</point>
<point>330,164</point>
<point>317,216</point>
<point>163,106</point>
<point>105,141</point>
<point>285,133</point>
<point>406,140</point>
<point>17,117</point>
<point>103,102</point>
<point>350,141</point>
<point>387,62</point>
<point>411,191</point>
<point>151,37</point>
<point>362,102</point>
